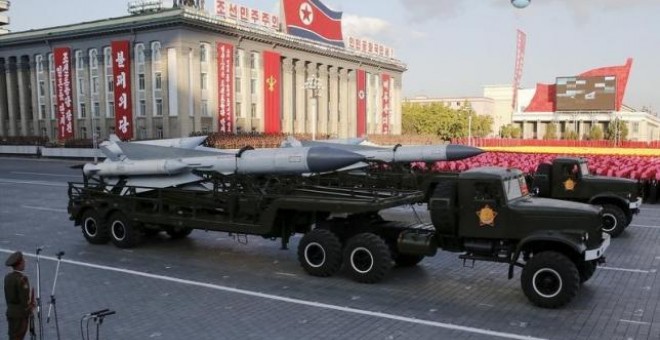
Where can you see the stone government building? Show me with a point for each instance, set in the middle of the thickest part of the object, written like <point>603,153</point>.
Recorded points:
<point>175,78</point>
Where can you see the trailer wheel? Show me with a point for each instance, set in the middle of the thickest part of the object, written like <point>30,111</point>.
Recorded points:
<point>367,257</point>
<point>586,270</point>
<point>550,279</point>
<point>177,234</point>
<point>405,260</point>
<point>123,232</point>
<point>93,228</point>
<point>614,220</point>
<point>319,253</point>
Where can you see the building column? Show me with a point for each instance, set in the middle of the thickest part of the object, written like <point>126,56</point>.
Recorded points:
<point>34,96</point>
<point>301,98</point>
<point>287,96</point>
<point>3,98</point>
<point>352,104</point>
<point>312,114</point>
<point>24,95</point>
<point>148,94</point>
<point>342,130</point>
<point>333,96</point>
<point>323,102</point>
<point>12,98</point>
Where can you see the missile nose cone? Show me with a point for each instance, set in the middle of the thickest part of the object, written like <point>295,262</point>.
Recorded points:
<point>322,158</point>
<point>456,152</point>
<point>90,168</point>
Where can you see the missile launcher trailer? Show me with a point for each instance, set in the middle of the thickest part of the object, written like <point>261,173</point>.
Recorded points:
<point>485,214</point>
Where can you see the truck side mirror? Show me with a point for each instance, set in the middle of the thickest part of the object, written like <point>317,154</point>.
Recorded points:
<point>535,191</point>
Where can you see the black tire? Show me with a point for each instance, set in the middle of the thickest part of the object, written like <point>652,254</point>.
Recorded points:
<point>550,279</point>
<point>177,234</point>
<point>614,220</point>
<point>405,260</point>
<point>319,253</point>
<point>93,228</point>
<point>586,270</point>
<point>123,232</point>
<point>367,257</point>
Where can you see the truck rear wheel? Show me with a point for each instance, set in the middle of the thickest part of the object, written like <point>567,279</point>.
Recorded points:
<point>93,228</point>
<point>586,269</point>
<point>319,253</point>
<point>367,258</point>
<point>123,233</point>
<point>614,220</point>
<point>550,279</point>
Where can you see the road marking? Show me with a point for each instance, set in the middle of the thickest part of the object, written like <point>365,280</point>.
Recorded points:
<point>645,226</point>
<point>51,184</point>
<point>292,300</point>
<point>42,174</point>
<point>42,208</point>
<point>635,322</point>
<point>285,274</point>
<point>627,270</point>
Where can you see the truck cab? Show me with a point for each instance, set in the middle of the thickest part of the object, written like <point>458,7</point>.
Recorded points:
<point>568,178</point>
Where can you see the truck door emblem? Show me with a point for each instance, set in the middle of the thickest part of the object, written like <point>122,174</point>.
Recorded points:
<point>486,216</point>
<point>569,184</point>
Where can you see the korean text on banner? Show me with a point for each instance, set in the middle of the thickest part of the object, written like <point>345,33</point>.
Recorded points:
<point>62,56</point>
<point>121,70</point>
<point>225,87</point>
<point>272,81</point>
<point>361,78</point>
<point>387,94</point>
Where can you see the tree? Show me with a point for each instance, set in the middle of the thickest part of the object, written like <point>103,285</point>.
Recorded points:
<point>571,135</point>
<point>550,131</point>
<point>595,133</point>
<point>617,130</point>
<point>510,131</point>
<point>442,121</point>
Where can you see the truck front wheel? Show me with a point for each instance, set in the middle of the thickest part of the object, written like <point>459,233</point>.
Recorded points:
<point>550,279</point>
<point>319,253</point>
<point>123,233</point>
<point>93,228</point>
<point>614,220</point>
<point>367,257</point>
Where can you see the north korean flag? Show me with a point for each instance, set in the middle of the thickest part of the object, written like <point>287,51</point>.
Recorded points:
<point>311,19</point>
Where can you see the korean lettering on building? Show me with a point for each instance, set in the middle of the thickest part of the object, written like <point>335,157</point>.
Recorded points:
<point>121,70</point>
<point>62,56</point>
<point>242,13</point>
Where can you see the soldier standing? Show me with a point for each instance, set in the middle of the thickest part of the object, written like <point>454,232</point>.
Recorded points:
<point>17,296</point>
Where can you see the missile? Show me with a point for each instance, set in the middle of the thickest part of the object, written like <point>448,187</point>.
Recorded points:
<point>399,153</point>
<point>135,168</point>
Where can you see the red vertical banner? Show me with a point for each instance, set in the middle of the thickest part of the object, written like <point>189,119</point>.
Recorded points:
<point>361,79</point>
<point>225,87</point>
<point>386,93</point>
<point>121,70</point>
<point>62,56</point>
<point>272,80</point>
<point>521,39</point>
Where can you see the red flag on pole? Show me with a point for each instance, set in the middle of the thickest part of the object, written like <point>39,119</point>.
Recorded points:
<point>361,78</point>
<point>272,80</point>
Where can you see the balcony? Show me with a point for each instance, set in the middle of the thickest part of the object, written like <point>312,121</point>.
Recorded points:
<point>4,5</point>
<point>4,19</point>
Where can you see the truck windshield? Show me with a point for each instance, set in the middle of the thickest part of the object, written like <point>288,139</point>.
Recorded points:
<point>515,188</point>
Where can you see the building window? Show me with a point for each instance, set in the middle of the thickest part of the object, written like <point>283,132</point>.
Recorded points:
<point>51,62</point>
<point>253,110</point>
<point>81,86</point>
<point>111,109</point>
<point>79,60</point>
<point>139,53</point>
<point>111,84</point>
<point>40,63</point>
<point>158,81</point>
<point>83,111</point>
<point>239,113</point>
<point>42,111</point>
<point>93,59</point>
<point>141,82</point>
<point>205,81</point>
<point>54,112</point>
<point>155,52</point>
<point>95,85</point>
<point>159,107</point>
<point>83,132</point>
<point>96,109</point>
<point>203,53</point>
<point>143,108</point>
<point>42,88</point>
<point>254,60</point>
<point>205,107</point>
<point>159,133</point>
<point>253,86</point>
<point>107,57</point>
<point>635,128</point>
<point>237,85</point>
<point>238,58</point>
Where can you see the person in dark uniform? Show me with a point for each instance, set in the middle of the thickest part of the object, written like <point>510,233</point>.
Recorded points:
<point>17,295</point>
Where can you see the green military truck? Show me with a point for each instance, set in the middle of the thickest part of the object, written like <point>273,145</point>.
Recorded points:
<point>485,214</point>
<point>568,178</point>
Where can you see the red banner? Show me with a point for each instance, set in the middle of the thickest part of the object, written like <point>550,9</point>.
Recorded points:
<point>121,70</point>
<point>62,56</point>
<point>361,78</point>
<point>272,80</point>
<point>386,92</point>
<point>225,87</point>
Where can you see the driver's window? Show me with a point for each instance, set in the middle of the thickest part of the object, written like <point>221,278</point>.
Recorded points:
<point>484,191</point>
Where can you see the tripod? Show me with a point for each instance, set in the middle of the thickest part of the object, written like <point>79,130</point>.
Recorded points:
<point>39,311</point>
<point>52,305</point>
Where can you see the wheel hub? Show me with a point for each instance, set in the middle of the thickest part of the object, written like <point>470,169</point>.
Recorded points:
<point>547,282</point>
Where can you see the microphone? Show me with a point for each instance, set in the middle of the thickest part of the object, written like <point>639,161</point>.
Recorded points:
<point>97,312</point>
<point>59,255</point>
<point>39,249</point>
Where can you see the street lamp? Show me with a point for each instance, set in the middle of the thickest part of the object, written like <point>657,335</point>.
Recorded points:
<point>314,83</point>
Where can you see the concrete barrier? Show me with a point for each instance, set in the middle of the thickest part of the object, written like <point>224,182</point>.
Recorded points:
<point>27,150</point>
<point>71,153</point>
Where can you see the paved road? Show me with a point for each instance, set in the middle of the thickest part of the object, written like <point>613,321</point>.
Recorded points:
<point>210,286</point>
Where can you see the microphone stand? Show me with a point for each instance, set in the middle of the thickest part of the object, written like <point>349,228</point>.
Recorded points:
<point>52,305</point>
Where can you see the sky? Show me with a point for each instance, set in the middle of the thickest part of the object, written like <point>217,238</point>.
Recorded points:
<point>455,47</point>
